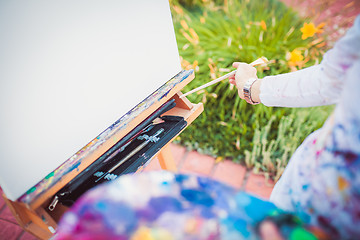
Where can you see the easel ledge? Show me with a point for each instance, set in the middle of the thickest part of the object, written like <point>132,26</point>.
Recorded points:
<point>34,216</point>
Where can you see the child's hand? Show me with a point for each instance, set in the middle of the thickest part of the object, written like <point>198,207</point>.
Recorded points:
<point>243,73</point>
<point>269,231</point>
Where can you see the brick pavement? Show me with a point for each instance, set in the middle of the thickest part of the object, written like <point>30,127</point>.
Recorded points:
<point>226,171</point>
<point>189,162</point>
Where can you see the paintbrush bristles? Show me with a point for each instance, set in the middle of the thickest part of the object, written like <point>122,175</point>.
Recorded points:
<point>259,61</point>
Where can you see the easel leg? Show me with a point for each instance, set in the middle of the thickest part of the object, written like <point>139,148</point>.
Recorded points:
<point>29,220</point>
<point>166,159</point>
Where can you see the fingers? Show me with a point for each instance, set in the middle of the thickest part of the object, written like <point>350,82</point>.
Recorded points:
<point>240,93</point>
<point>236,64</point>
<point>244,72</point>
<point>269,231</point>
<point>245,67</point>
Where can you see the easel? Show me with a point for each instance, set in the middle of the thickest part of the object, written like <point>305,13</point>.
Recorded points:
<point>33,215</point>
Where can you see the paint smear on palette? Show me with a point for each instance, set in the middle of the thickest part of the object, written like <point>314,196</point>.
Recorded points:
<point>75,161</point>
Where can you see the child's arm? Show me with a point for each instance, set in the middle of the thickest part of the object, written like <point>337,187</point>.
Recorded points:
<point>314,86</point>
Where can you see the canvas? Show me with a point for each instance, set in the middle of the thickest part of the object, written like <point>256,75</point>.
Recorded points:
<point>68,71</point>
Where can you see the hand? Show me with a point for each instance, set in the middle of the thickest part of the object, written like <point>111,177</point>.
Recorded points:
<point>243,73</point>
<point>269,231</point>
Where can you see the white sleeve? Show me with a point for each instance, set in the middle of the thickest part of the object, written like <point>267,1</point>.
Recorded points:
<point>318,85</point>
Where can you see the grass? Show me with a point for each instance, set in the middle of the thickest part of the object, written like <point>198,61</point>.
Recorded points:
<point>211,35</point>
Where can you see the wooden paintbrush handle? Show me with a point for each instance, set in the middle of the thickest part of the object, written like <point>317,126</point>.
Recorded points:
<point>258,61</point>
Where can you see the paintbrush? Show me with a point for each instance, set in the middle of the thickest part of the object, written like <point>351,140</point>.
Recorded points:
<point>258,61</point>
<point>148,139</point>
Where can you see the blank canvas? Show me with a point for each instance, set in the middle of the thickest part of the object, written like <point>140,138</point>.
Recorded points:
<point>68,70</point>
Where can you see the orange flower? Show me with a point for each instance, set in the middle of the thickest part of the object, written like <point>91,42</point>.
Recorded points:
<point>295,57</point>
<point>320,27</point>
<point>202,20</point>
<point>212,69</point>
<point>184,24</point>
<point>219,159</point>
<point>263,24</point>
<point>178,10</point>
<point>193,34</point>
<point>185,64</point>
<point>309,30</point>
<point>188,37</point>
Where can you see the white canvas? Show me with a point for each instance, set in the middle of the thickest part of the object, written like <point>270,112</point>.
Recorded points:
<point>68,70</point>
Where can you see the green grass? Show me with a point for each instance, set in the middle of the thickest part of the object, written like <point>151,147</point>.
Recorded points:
<point>261,137</point>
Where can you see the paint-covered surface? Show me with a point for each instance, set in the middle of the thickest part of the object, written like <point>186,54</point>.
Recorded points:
<point>163,205</point>
<point>73,163</point>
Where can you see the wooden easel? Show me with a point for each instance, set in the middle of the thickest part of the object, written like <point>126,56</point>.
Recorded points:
<point>34,216</point>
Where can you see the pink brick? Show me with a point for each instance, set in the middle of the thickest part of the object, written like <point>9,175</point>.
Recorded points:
<point>9,230</point>
<point>154,165</point>
<point>230,173</point>
<point>198,164</point>
<point>258,185</point>
<point>7,215</point>
<point>178,152</point>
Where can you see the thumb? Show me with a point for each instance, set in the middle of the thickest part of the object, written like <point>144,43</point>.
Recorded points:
<point>235,64</point>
